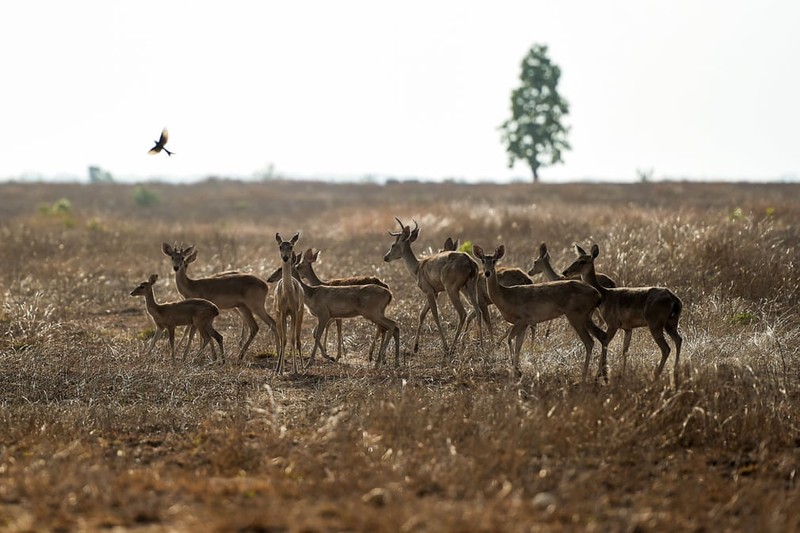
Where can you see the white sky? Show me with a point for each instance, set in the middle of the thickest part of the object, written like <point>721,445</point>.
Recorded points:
<point>695,89</point>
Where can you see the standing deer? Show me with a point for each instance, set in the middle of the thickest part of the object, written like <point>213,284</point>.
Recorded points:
<point>506,276</point>
<point>231,290</point>
<point>305,267</point>
<point>197,313</point>
<point>289,299</point>
<point>527,305</point>
<point>444,271</point>
<point>655,308</point>
<point>333,302</point>
<point>542,265</point>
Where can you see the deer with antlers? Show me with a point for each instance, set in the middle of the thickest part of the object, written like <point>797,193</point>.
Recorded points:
<point>527,305</point>
<point>197,313</point>
<point>445,271</point>
<point>231,290</point>
<point>289,302</point>
<point>656,308</point>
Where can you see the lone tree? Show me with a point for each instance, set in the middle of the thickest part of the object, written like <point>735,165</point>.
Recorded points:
<point>534,132</point>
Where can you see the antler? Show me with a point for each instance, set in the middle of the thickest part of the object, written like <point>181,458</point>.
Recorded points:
<point>402,228</point>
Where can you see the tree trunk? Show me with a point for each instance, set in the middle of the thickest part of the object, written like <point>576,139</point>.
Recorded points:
<point>535,169</point>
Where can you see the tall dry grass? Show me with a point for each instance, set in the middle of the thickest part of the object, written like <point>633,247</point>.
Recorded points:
<point>95,436</point>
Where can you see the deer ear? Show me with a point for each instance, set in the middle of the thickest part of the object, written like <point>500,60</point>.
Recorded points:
<point>500,252</point>
<point>166,248</point>
<point>414,234</point>
<point>189,250</point>
<point>542,250</point>
<point>448,244</point>
<point>579,250</point>
<point>316,255</point>
<point>595,251</point>
<point>153,278</point>
<point>278,238</point>
<point>294,239</point>
<point>477,251</point>
<point>191,257</point>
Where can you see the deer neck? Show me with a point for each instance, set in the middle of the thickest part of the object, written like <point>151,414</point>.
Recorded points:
<point>493,286</point>
<point>313,279</point>
<point>548,272</point>
<point>286,276</point>
<point>184,282</point>
<point>150,303</point>
<point>410,260</point>
<point>590,277</point>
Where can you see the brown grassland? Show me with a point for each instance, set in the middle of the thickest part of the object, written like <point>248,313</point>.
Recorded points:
<point>94,435</point>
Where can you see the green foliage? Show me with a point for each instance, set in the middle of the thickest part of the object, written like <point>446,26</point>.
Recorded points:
<point>534,133</point>
<point>145,197</point>
<point>744,318</point>
<point>466,247</point>
<point>61,209</point>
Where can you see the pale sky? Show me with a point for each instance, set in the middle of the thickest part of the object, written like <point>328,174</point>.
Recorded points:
<point>691,89</point>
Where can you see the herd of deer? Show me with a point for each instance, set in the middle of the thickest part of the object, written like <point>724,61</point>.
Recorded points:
<point>576,294</point>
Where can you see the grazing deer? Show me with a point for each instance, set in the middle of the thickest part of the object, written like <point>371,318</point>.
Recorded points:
<point>655,308</point>
<point>506,276</point>
<point>197,313</point>
<point>444,271</point>
<point>333,302</point>
<point>527,305</point>
<point>289,300</point>
<point>230,290</point>
<point>305,267</point>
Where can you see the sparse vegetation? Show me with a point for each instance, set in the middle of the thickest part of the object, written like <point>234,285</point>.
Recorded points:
<point>97,436</point>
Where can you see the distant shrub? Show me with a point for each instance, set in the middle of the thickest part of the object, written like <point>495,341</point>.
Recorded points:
<point>744,318</point>
<point>61,209</point>
<point>145,197</point>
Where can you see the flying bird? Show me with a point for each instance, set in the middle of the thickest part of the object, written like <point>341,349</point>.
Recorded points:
<point>160,143</point>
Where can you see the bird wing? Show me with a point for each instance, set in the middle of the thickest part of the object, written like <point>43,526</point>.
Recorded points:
<point>164,137</point>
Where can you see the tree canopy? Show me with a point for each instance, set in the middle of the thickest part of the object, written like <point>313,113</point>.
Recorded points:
<point>535,133</point>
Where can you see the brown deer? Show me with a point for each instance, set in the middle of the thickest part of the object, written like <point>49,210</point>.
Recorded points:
<point>332,302</point>
<point>527,305</point>
<point>542,265</point>
<point>444,271</point>
<point>656,308</point>
<point>289,302</point>
<point>305,267</point>
<point>197,313</point>
<point>506,276</point>
<point>231,290</point>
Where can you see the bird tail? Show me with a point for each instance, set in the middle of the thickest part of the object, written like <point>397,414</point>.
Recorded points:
<point>168,152</point>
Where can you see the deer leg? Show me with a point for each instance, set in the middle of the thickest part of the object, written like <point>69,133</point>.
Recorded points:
<point>580,325</point>
<point>252,325</point>
<point>435,312</point>
<point>213,333</point>
<point>319,329</point>
<point>156,336</point>
<point>672,330</point>
<point>171,332</point>
<point>516,336</point>
<point>462,317</point>
<point>422,314</point>
<point>379,334</point>
<point>265,317</point>
<point>626,344</point>
<point>340,345</point>
<point>192,329</point>
<point>657,331</point>
<point>281,343</point>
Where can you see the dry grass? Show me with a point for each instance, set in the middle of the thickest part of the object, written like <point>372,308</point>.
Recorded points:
<point>96,436</point>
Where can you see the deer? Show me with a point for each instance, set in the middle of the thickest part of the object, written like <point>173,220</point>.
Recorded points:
<point>289,303</point>
<point>445,271</point>
<point>305,268</point>
<point>527,305</point>
<point>506,276</point>
<point>230,290</point>
<point>656,308</point>
<point>197,313</point>
<point>334,302</point>
<point>542,265</point>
